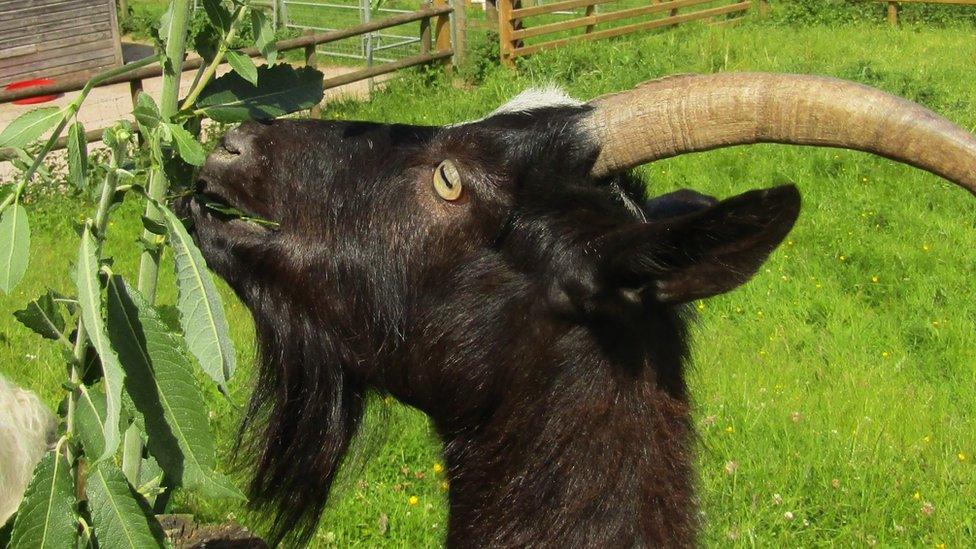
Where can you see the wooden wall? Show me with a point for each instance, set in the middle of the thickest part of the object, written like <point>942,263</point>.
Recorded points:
<point>57,38</point>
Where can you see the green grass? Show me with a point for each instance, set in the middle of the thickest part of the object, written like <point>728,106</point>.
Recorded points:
<point>835,386</point>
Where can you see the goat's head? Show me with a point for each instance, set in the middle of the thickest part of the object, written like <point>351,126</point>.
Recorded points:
<point>444,264</point>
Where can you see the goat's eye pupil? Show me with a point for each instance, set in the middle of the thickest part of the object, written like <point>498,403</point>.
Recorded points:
<point>447,181</point>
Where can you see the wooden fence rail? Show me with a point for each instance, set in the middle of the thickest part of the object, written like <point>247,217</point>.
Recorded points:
<point>513,30</point>
<point>434,47</point>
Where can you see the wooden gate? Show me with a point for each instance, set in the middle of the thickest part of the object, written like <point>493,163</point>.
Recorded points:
<point>527,30</point>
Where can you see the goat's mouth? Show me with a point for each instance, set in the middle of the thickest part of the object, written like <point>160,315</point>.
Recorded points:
<point>209,203</point>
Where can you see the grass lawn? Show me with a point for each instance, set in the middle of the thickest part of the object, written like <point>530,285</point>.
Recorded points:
<point>835,394</point>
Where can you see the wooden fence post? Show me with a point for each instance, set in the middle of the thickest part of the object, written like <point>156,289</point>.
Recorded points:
<point>893,14</point>
<point>460,30</point>
<point>505,32</point>
<point>311,60</point>
<point>763,8</point>
<point>491,14</point>
<point>425,37</point>
<point>442,36</point>
<point>590,10</point>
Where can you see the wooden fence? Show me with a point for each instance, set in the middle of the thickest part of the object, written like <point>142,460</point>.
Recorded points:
<point>435,46</point>
<point>893,6</point>
<point>549,20</point>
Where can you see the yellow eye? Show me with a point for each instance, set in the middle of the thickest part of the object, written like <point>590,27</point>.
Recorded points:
<point>447,181</point>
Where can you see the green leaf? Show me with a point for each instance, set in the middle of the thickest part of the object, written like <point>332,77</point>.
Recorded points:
<point>160,381</point>
<point>46,517</point>
<point>146,112</point>
<point>243,65</point>
<point>153,226</point>
<point>29,126</point>
<point>14,246</point>
<point>186,145</point>
<point>201,312</point>
<point>89,418</point>
<point>281,90</point>
<point>120,518</point>
<point>77,156</point>
<point>219,15</point>
<point>45,315</point>
<point>264,35</point>
<point>90,300</point>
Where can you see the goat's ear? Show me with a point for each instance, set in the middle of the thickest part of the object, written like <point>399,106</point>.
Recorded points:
<point>704,253</point>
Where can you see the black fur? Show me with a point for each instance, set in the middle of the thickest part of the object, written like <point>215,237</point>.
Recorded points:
<point>537,320</point>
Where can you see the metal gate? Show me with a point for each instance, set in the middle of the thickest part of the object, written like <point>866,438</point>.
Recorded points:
<point>327,15</point>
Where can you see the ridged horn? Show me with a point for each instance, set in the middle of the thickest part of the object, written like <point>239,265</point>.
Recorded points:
<point>690,113</point>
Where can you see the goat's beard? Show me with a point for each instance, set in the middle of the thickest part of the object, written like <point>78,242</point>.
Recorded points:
<point>304,412</point>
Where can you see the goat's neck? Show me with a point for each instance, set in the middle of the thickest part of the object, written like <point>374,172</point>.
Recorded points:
<point>583,451</point>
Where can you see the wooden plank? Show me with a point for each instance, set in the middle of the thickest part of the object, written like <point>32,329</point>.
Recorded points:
<point>893,14</point>
<point>62,56</point>
<point>556,6</point>
<point>79,19</point>
<point>48,13</point>
<point>82,70</point>
<point>43,46</point>
<point>626,29</point>
<point>18,51</point>
<point>103,28</point>
<point>606,18</point>
<point>7,5</point>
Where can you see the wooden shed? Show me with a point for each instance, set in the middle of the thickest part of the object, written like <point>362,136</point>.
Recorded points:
<point>57,39</point>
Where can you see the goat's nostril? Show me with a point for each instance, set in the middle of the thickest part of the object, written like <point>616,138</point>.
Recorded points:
<point>230,145</point>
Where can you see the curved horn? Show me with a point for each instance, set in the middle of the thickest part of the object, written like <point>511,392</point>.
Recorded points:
<point>689,113</point>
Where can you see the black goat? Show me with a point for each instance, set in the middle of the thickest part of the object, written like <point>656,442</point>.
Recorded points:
<point>501,276</point>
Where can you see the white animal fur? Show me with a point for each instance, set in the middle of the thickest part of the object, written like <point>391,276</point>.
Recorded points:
<point>27,428</point>
<point>538,98</point>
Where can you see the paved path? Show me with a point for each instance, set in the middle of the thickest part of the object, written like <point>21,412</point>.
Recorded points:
<point>107,104</point>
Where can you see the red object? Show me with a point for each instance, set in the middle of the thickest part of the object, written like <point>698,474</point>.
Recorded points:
<point>33,84</point>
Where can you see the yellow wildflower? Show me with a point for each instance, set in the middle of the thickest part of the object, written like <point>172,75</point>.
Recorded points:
<point>961,456</point>
<point>413,500</point>
<point>438,467</point>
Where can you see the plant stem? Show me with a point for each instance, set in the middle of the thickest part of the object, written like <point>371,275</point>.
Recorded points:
<point>158,185</point>
<point>168,104</point>
<point>211,69</point>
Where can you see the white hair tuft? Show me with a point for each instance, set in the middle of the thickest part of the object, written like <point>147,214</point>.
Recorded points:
<point>27,428</point>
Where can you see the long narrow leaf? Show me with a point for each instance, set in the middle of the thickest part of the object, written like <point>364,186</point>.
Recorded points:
<point>243,66</point>
<point>89,419</point>
<point>14,246</point>
<point>201,312</point>
<point>159,378</point>
<point>120,519</point>
<point>29,126</point>
<point>90,301</point>
<point>47,518</point>
<point>77,156</point>
<point>264,35</point>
